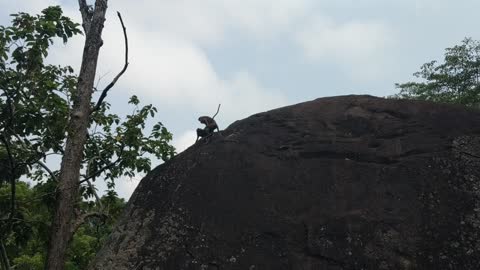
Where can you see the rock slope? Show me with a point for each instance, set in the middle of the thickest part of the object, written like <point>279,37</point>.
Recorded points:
<point>350,182</point>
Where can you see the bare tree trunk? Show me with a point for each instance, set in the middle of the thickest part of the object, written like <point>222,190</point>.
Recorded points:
<point>68,180</point>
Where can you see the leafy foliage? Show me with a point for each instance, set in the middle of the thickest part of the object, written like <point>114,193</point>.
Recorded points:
<point>27,244</point>
<point>31,105</point>
<point>456,80</point>
<point>35,104</point>
<point>119,148</point>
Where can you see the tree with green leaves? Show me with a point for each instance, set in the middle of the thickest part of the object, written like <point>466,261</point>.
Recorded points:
<point>27,243</point>
<point>47,110</point>
<point>456,80</point>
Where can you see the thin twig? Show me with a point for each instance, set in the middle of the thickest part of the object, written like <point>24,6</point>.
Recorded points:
<point>81,219</point>
<point>95,194</point>
<point>100,79</point>
<point>110,85</point>
<point>98,172</point>
<point>45,167</point>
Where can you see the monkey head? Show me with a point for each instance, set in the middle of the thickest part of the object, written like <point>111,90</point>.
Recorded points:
<point>205,120</point>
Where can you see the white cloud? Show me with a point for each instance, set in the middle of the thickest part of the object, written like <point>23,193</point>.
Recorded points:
<point>424,7</point>
<point>29,6</point>
<point>185,140</point>
<point>244,96</point>
<point>168,69</point>
<point>265,18</point>
<point>357,45</point>
<point>357,40</point>
<point>125,186</point>
<point>171,70</point>
<point>207,21</point>
<point>168,64</point>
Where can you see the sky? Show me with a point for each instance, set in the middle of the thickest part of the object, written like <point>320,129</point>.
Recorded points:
<point>187,56</point>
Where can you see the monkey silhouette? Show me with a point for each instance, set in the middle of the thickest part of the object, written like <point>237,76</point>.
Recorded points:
<point>210,125</point>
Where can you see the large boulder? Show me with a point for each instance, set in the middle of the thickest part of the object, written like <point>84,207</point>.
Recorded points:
<point>350,182</point>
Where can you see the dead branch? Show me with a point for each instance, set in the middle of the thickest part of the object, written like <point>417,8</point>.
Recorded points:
<point>110,85</point>
<point>100,171</point>
<point>45,167</point>
<point>82,218</point>
<point>97,198</point>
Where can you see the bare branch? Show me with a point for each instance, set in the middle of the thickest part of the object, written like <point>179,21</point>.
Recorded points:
<point>97,198</point>
<point>98,172</point>
<point>110,85</point>
<point>469,154</point>
<point>100,79</point>
<point>87,14</point>
<point>81,219</point>
<point>45,167</point>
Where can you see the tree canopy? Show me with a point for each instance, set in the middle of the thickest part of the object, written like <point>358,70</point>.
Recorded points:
<point>36,102</point>
<point>456,80</point>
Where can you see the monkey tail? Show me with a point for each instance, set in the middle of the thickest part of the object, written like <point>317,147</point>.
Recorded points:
<point>218,109</point>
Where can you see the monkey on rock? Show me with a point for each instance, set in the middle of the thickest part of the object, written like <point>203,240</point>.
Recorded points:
<point>210,126</point>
